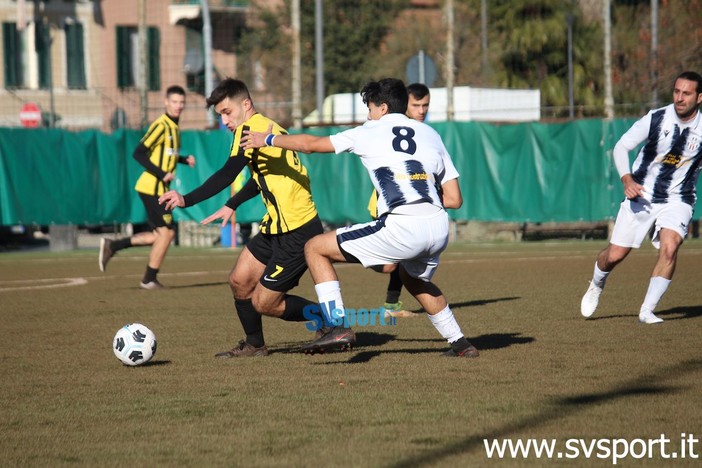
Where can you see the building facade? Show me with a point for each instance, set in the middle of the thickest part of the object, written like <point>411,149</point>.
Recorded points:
<point>79,60</point>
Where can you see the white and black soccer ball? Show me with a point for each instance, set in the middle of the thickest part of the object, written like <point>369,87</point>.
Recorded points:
<point>134,344</point>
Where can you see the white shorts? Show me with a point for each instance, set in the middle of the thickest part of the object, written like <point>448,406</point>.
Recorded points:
<point>414,242</point>
<point>636,217</point>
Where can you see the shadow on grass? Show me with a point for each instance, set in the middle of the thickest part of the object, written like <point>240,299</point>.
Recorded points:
<point>362,339</point>
<point>367,339</point>
<point>485,342</point>
<point>475,303</point>
<point>609,317</point>
<point>480,302</point>
<point>648,384</point>
<point>676,313</point>
<point>680,313</point>
<point>361,357</point>
<point>500,340</point>
<point>152,364</point>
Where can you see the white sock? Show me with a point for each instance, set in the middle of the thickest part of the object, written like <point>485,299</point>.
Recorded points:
<point>329,295</point>
<point>599,277</point>
<point>446,325</point>
<point>656,288</point>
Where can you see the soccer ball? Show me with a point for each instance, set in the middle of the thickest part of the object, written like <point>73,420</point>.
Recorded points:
<point>134,344</point>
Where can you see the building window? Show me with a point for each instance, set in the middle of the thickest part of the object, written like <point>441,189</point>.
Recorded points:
<point>154,58</point>
<point>128,57</point>
<point>75,56</point>
<point>13,53</point>
<point>42,45</point>
<point>194,63</point>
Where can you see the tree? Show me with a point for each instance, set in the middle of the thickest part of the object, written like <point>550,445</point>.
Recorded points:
<point>533,36</point>
<point>353,33</point>
<point>264,57</point>
<point>679,49</point>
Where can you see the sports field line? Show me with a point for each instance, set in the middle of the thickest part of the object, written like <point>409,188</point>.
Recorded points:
<point>49,283</point>
<point>62,282</point>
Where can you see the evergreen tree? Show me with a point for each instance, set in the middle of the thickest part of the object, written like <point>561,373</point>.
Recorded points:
<point>533,36</point>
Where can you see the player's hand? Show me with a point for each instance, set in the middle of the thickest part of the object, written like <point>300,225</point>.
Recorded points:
<point>632,190</point>
<point>190,160</point>
<point>168,177</point>
<point>225,213</point>
<point>172,199</point>
<point>251,139</point>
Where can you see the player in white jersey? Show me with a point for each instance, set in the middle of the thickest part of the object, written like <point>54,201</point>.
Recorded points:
<point>418,98</point>
<point>415,179</point>
<point>660,189</point>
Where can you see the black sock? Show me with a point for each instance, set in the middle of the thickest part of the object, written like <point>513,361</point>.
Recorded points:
<point>295,309</point>
<point>394,288</point>
<point>150,275</point>
<point>251,322</point>
<point>120,244</point>
<point>460,345</point>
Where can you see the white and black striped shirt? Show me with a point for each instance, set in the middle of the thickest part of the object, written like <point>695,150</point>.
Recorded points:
<point>669,162</point>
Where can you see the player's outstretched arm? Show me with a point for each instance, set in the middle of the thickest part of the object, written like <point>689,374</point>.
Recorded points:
<point>302,142</point>
<point>172,199</point>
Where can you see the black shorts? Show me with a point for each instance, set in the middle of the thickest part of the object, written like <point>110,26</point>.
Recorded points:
<point>284,255</point>
<point>156,214</point>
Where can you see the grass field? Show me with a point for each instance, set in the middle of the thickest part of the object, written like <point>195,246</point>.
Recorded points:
<point>544,372</point>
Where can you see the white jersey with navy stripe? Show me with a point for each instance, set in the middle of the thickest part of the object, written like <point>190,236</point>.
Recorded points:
<point>670,161</point>
<point>406,160</point>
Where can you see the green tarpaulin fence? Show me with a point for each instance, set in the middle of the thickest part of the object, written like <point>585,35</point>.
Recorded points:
<point>532,172</point>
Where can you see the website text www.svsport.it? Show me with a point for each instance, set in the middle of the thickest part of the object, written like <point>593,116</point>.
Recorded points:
<point>615,449</point>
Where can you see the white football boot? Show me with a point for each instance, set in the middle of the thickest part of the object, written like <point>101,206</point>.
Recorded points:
<point>588,304</point>
<point>647,316</point>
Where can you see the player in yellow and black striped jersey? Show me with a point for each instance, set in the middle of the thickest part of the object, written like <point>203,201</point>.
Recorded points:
<point>162,143</point>
<point>281,178</point>
<point>159,153</point>
<point>273,261</point>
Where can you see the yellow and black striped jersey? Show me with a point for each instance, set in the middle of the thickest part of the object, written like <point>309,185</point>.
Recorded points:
<point>281,177</point>
<point>163,142</point>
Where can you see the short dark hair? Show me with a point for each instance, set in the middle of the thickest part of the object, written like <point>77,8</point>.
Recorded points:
<point>228,88</point>
<point>175,89</point>
<point>418,90</point>
<point>390,91</point>
<point>691,76</point>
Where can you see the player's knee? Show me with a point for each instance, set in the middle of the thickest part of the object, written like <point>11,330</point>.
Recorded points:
<point>238,286</point>
<point>312,247</point>
<point>668,253</point>
<point>165,233</point>
<point>612,256</point>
